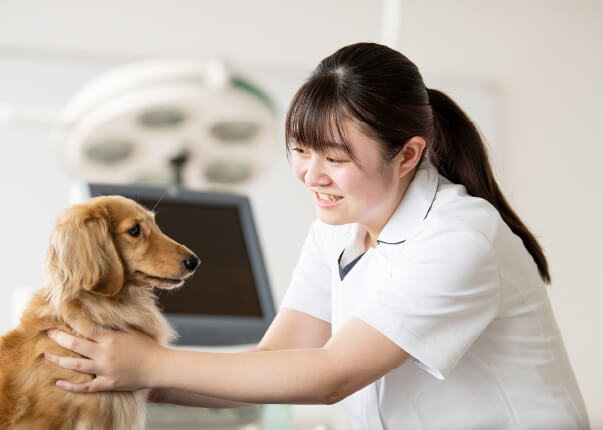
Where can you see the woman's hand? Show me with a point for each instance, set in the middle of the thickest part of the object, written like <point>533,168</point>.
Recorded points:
<point>120,360</point>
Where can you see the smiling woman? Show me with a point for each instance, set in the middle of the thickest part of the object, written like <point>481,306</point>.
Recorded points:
<point>415,254</point>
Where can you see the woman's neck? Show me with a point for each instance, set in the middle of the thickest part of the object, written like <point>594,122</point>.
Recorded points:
<point>374,229</point>
<point>369,242</point>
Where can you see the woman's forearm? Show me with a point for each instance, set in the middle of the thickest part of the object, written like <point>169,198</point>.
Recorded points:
<point>302,376</point>
<point>188,398</point>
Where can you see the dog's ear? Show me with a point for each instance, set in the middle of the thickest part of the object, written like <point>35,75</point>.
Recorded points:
<point>82,255</point>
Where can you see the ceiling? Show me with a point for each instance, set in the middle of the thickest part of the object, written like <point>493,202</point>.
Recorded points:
<point>263,31</point>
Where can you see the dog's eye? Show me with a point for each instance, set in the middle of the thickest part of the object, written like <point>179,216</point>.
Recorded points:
<point>135,231</point>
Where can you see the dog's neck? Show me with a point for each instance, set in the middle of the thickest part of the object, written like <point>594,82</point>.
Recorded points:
<point>132,307</point>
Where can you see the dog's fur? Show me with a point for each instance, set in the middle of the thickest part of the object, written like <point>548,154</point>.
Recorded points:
<point>99,274</point>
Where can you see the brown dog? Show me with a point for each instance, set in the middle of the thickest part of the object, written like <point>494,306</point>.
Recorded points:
<point>104,258</point>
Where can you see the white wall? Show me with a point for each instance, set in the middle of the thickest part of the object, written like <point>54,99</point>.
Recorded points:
<point>541,61</point>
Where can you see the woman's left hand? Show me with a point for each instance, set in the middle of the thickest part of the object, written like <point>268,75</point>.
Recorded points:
<point>120,360</point>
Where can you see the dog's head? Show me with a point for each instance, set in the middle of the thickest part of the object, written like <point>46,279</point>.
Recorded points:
<point>107,242</point>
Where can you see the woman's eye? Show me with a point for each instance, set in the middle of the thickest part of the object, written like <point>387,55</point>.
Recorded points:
<point>334,161</point>
<point>134,231</point>
<point>298,150</point>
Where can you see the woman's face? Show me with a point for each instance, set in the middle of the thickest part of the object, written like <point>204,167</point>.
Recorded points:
<point>365,190</point>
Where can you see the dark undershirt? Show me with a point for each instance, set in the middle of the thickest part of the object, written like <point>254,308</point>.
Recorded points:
<point>343,271</point>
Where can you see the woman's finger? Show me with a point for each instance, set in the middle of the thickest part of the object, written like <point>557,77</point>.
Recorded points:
<point>93,386</point>
<point>80,345</point>
<point>82,365</point>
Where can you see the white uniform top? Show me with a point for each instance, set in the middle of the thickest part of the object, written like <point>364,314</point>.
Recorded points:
<point>456,289</point>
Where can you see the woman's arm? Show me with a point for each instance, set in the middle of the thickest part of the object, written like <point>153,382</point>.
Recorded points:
<point>290,329</point>
<point>189,398</point>
<point>354,357</point>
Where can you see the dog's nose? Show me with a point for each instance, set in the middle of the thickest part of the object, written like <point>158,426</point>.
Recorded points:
<point>191,263</point>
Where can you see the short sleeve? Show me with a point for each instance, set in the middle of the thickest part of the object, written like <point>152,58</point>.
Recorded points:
<point>310,287</point>
<point>441,295</point>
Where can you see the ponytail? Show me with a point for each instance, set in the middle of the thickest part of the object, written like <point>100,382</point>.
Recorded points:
<point>459,154</point>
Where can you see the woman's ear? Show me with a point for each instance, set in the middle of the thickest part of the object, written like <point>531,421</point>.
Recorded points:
<point>410,155</point>
<point>82,255</point>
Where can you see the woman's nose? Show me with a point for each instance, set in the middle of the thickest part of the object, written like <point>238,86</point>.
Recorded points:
<point>315,174</point>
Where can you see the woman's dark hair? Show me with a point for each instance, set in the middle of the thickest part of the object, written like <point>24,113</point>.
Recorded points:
<point>383,93</point>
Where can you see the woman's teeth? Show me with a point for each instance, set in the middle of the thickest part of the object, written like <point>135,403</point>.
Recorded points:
<point>328,197</point>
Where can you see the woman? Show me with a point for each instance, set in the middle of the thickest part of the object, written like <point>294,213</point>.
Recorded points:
<point>419,296</point>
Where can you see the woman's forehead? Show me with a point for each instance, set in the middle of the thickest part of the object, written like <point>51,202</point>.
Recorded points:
<point>332,136</point>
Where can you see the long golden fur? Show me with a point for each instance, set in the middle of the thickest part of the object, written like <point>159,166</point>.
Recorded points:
<point>104,258</point>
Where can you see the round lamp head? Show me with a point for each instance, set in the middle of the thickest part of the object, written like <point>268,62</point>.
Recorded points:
<point>126,126</point>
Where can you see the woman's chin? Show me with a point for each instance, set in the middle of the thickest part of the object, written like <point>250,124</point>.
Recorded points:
<point>330,217</point>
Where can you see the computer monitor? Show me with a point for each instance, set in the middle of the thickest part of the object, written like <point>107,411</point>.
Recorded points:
<point>228,300</point>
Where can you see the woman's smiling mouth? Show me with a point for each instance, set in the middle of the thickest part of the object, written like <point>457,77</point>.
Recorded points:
<point>326,200</point>
<point>328,197</point>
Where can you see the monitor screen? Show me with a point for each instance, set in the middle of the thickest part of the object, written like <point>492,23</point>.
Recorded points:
<point>228,299</point>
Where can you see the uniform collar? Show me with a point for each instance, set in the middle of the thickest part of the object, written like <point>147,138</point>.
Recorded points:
<point>414,206</point>
<point>410,212</point>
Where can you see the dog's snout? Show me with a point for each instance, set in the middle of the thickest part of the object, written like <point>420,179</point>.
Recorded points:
<point>191,263</point>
